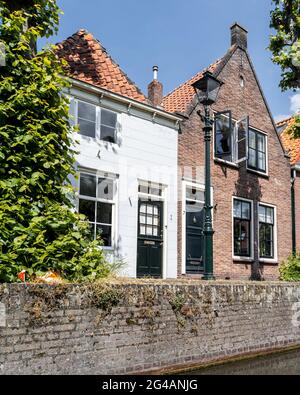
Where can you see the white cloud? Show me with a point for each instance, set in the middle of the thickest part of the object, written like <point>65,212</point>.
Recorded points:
<point>295,103</point>
<point>294,107</point>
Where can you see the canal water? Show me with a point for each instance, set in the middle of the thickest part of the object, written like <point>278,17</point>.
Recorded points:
<point>287,363</point>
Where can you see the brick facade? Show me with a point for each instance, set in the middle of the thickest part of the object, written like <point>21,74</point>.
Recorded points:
<point>297,208</point>
<point>229,181</point>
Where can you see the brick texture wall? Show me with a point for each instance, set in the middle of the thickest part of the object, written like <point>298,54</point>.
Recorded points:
<point>135,327</point>
<point>297,201</point>
<point>229,181</point>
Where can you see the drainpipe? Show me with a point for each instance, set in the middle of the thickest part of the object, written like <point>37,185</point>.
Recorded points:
<point>293,180</point>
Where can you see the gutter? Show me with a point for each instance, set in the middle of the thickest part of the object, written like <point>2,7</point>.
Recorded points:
<point>125,100</point>
<point>293,205</point>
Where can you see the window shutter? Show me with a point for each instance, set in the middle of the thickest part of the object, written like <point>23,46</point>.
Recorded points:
<point>223,135</point>
<point>242,140</point>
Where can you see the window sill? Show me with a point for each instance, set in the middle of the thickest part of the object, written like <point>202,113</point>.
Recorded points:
<point>102,143</point>
<point>108,249</point>
<point>259,173</point>
<point>240,259</point>
<point>269,261</point>
<point>226,163</point>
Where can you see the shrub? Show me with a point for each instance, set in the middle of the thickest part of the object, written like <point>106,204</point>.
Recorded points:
<point>290,269</point>
<point>39,228</point>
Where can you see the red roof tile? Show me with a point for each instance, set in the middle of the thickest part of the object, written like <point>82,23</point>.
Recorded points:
<point>180,98</point>
<point>89,62</point>
<point>290,143</point>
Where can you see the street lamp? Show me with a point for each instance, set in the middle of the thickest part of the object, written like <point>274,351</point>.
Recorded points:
<point>207,90</point>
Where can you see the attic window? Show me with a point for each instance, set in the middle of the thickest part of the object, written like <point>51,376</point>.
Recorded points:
<point>242,81</point>
<point>93,121</point>
<point>230,138</point>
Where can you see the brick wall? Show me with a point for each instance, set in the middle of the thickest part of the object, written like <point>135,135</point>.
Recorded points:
<point>229,181</point>
<point>297,201</point>
<point>134,327</point>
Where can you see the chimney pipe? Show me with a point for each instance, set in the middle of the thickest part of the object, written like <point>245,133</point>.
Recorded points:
<point>155,89</point>
<point>155,73</point>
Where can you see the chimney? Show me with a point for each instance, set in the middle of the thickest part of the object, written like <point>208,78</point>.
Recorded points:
<point>155,89</point>
<point>239,36</point>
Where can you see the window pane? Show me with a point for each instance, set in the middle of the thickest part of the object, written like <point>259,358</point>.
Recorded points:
<point>194,194</point>
<point>87,111</point>
<point>261,161</point>
<point>87,208</point>
<point>143,208</point>
<point>237,208</point>
<point>194,214</point>
<point>108,118</point>
<point>104,213</point>
<point>266,248</point>
<point>262,214</point>
<point>105,188</point>
<point>87,128</point>
<point>105,233</point>
<point>149,231</point>
<point>87,185</point>
<point>155,190</point>
<point>270,215</point>
<point>252,158</point>
<point>223,137</point>
<point>261,142</point>
<point>241,238</point>
<point>252,139</point>
<point>246,210</point>
<point>107,134</point>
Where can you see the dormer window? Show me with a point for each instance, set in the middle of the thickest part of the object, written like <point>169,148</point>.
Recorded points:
<point>93,121</point>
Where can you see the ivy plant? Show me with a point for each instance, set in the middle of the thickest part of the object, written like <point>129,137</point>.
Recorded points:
<point>39,228</point>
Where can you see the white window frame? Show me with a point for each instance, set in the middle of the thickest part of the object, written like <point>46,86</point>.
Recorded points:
<point>164,200</point>
<point>237,258</point>
<point>113,202</point>
<point>233,148</point>
<point>98,120</point>
<point>235,162</point>
<point>185,184</point>
<point>275,259</point>
<point>266,173</point>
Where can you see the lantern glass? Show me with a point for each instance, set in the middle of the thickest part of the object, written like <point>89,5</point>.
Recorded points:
<point>207,89</point>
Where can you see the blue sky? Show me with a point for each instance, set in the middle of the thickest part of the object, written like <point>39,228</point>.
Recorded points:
<point>181,37</point>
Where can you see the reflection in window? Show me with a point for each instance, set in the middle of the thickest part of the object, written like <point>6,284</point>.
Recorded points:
<point>96,203</point>
<point>242,228</point>
<point>87,119</point>
<point>257,151</point>
<point>266,232</point>
<point>223,136</point>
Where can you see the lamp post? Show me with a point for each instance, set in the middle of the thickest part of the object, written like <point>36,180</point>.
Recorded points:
<point>207,89</point>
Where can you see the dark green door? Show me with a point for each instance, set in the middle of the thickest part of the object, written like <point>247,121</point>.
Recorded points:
<point>194,237</point>
<point>150,239</point>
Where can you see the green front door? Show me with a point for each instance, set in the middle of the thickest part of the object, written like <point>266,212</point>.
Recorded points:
<point>150,239</point>
<point>194,237</point>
